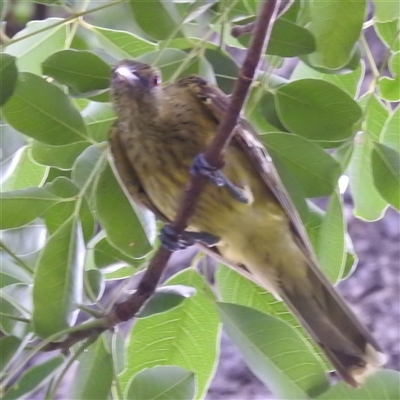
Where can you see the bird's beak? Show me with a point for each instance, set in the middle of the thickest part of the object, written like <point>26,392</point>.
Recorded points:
<point>124,73</point>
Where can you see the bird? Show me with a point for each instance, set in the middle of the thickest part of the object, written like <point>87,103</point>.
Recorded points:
<point>244,213</point>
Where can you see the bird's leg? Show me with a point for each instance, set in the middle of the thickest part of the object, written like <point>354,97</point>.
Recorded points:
<point>172,241</point>
<point>202,167</point>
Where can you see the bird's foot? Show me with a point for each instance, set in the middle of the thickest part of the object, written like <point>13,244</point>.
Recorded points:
<point>202,167</point>
<point>173,241</point>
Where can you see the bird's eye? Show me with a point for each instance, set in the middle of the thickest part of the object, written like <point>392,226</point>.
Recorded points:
<point>156,80</point>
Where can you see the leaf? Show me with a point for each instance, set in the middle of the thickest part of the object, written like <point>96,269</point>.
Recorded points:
<point>33,378</point>
<point>126,226</point>
<point>88,165</point>
<point>382,385</point>
<point>158,22</point>
<point>61,157</point>
<point>8,348</point>
<point>390,134</point>
<point>11,272</point>
<point>26,174</point>
<point>225,68</point>
<point>375,115</point>
<point>32,51</point>
<point>386,173</point>
<point>22,206</point>
<point>174,337</point>
<point>57,290</point>
<point>317,110</point>
<point>82,71</point>
<point>389,33</point>
<point>123,44</point>
<point>165,298</point>
<point>287,39</point>
<point>368,203</point>
<point>386,10</point>
<point>8,76</point>
<point>390,88</point>
<point>98,118</point>
<point>336,26</point>
<point>274,352</point>
<point>331,250</point>
<point>107,256</point>
<point>41,110</point>
<point>94,284</point>
<point>349,82</point>
<point>95,373</point>
<point>162,382</point>
<point>315,171</point>
<point>16,302</point>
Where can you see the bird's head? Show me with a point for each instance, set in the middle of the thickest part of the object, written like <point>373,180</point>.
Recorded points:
<point>135,83</point>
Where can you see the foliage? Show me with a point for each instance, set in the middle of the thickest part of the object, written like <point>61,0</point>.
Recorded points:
<point>68,229</point>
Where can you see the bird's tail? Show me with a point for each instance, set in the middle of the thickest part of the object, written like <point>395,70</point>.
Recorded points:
<point>345,341</point>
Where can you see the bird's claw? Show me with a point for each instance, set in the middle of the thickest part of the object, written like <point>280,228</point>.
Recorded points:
<point>173,241</point>
<point>202,167</point>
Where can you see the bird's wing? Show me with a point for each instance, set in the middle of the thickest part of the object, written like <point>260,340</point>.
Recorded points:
<point>246,137</point>
<point>127,174</point>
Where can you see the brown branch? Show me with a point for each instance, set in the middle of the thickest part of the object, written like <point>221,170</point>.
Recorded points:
<point>127,309</point>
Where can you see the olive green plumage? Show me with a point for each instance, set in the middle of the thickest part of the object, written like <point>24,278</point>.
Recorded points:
<point>159,130</point>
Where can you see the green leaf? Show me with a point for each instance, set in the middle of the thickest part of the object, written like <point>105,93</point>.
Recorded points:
<point>57,291</point>
<point>290,40</point>
<point>106,256</point>
<point>390,135</point>
<point>98,118</point>
<point>43,111</point>
<point>368,203</point>
<point>165,298</point>
<point>59,213</point>
<point>274,352</point>
<point>129,228</point>
<point>336,26</point>
<point>349,82</point>
<point>317,110</point>
<point>22,206</point>
<point>225,68</point>
<point>8,348</point>
<point>180,341</point>
<point>386,10</point>
<point>315,171</point>
<point>62,157</point>
<point>382,385</point>
<point>394,63</point>
<point>375,115</point>
<point>156,22</point>
<point>33,50</point>
<point>123,44</point>
<point>94,284</point>
<point>26,174</point>
<point>163,383</point>
<point>11,272</point>
<point>331,249</point>
<point>8,76</point>
<point>389,33</point>
<point>33,378</point>
<point>386,172</point>
<point>390,88</point>
<point>16,300</point>
<point>95,373</point>
<point>82,71</point>
<point>88,165</point>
